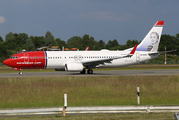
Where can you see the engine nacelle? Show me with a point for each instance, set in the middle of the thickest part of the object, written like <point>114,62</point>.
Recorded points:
<point>73,67</point>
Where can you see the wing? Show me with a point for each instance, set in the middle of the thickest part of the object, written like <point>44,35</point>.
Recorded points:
<point>94,63</point>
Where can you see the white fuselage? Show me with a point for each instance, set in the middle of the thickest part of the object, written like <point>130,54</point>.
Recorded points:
<point>58,59</point>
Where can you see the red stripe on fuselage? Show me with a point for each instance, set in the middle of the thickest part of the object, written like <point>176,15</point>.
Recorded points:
<point>27,60</point>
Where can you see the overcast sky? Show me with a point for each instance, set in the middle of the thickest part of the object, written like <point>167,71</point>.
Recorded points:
<point>101,19</point>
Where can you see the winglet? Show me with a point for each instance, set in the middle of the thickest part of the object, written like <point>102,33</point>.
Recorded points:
<point>87,48</point>
<point>133,50</point>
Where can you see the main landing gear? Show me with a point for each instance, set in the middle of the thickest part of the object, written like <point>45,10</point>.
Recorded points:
<point>89,71</point>
<point>83,71</point>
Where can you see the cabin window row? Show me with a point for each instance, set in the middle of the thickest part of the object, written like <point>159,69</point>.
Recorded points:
<point>93,57</point>
<point>86,57</point>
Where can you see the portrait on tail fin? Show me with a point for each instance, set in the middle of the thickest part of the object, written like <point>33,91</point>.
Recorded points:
<point>154,39</point>
<point>151,41</point>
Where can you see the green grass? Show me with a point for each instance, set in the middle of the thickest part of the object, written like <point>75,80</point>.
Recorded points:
<point>88,91</point>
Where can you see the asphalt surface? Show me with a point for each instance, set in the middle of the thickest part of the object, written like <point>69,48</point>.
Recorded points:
<point>95,73</point>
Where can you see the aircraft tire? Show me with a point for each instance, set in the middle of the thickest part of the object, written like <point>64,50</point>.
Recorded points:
<point>83,71</point>
<point>90,71</point>
<point>20,73</point>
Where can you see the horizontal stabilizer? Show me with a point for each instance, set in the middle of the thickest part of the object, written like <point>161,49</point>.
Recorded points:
<point>160,52</point>
<point>167,51</point>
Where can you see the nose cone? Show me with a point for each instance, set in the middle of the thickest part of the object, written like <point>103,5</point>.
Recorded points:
<point>6,62</point>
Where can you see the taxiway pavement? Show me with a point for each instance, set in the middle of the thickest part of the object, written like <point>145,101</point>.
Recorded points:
<point>96,73</point>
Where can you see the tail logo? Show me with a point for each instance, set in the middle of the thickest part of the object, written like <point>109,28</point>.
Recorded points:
<point>154,39</point>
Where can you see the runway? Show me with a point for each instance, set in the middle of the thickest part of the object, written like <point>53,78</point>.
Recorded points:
<point>96,73</point>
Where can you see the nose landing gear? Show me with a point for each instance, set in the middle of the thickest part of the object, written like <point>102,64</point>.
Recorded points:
<point>20,73</point>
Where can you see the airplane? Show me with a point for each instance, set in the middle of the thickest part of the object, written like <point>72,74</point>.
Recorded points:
<point>79,61</point>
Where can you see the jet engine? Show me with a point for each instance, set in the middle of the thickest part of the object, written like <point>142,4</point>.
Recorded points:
<point>73,67</point>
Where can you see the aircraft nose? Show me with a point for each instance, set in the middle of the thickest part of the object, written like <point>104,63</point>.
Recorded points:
<point>6,62</point>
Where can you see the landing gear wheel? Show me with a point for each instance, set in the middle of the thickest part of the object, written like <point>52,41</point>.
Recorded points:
<point>20,73</point>
<point>83,71</point>
<point>90,71</point>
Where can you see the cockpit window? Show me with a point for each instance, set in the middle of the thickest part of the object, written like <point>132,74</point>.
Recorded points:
<point>15,57</point>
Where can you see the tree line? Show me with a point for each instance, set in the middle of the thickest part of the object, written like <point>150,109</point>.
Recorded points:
<point>14,43</point>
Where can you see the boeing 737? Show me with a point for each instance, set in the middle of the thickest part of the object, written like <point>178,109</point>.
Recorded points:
<point>79,61</point>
